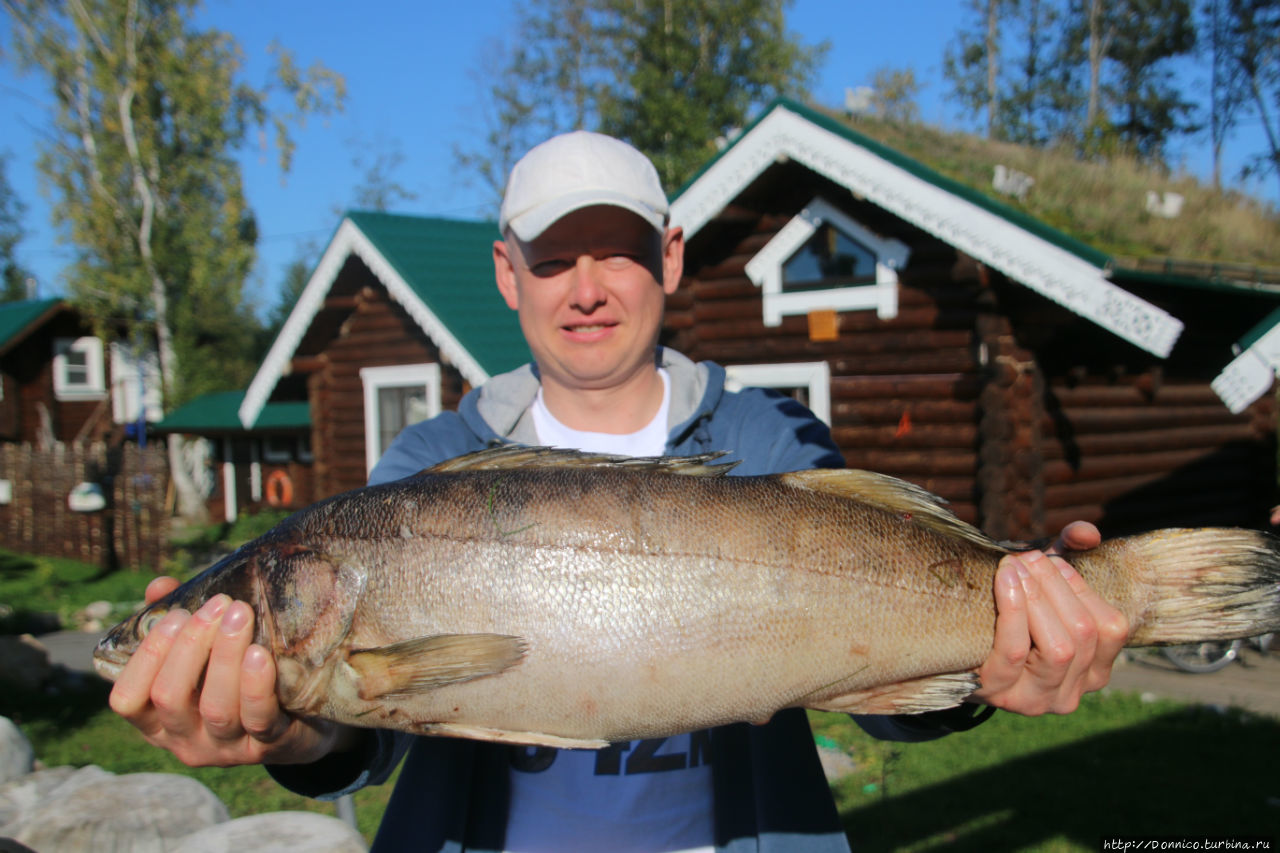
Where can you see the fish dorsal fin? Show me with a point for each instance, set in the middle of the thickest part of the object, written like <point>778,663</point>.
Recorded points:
<point>892,495</point>
<point>510,456</point>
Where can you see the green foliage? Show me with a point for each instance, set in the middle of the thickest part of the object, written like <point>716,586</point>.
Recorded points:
<point>247,527</point>
<point>686,74</point>
<point>150,113</point>
<point>34,585</point>
<point>1060,783</point>
<point>1102,203</point>
<point>671,78</point>
<point>13,278</point>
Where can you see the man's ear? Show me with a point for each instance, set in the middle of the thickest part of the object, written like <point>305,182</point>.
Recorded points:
<point>504,273</point>
<point>672,259</point>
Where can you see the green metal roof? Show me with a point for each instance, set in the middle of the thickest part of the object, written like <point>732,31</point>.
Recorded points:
<point>17,317</point>
<point>449,266</point>
<point>218,413</point>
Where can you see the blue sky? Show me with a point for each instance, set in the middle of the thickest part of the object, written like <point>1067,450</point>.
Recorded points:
<point>407,69</point>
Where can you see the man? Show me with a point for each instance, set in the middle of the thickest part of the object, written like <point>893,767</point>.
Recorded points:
<point>586,259</point>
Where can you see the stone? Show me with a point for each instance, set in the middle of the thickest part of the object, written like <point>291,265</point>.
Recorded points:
<point>136,812</point>
<point>24,662</point>
<point>275,832</point>
<point>18,797</point>
<point>17,758</point>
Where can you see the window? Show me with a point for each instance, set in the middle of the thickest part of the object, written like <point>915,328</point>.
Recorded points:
<point>828,258</point>
<point>394,398</point>
<point>807,382</point>
<point>278,448</point>
<point>823,259</point>
<point>77,369</point>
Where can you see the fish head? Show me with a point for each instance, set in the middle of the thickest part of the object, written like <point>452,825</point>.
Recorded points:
<point>233,575</point>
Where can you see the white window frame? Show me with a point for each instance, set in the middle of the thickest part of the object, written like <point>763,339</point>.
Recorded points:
<point>814,375</point>
<point>375,379</point>
<point>765,269</point>
<point>95,386</point>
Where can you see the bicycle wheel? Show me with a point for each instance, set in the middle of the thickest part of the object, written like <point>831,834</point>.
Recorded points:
<point>1203,657</point>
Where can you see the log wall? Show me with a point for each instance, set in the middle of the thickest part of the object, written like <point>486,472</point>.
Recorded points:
<point>376,332</point>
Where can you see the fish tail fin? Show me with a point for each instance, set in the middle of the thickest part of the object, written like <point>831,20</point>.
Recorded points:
<point>1203,583</point>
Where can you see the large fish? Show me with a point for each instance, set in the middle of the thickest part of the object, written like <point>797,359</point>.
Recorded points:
<point>565,599</point>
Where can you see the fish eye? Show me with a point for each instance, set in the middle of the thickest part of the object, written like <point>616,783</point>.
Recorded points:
<point>149,621</point>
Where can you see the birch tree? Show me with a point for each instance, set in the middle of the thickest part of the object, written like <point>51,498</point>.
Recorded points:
<point>149,112</point>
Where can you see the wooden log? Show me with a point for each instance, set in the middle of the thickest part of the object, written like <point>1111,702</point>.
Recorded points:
<point>913,462</point>
<point>1105,396</point>
<point>1174,438</point>
<point>957,385</point>
<point>1115,420</point>
<point>873,412</point>
<point>929,436</point>
<point>1188,483</point>
<point>1059,471</point>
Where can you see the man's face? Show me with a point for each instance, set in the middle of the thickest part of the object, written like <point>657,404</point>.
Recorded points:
<point>590,291</point>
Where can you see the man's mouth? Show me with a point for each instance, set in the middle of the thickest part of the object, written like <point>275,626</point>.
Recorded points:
<point>587,328</point>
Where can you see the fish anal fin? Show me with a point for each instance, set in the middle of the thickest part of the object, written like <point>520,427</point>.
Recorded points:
<point>424,663</point>
<point>899,497</point>
<point>916,696</point>
<point>511,456</point>
<point>504,736</point>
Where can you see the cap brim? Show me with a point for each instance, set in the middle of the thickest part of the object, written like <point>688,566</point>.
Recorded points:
<point>529,224</point>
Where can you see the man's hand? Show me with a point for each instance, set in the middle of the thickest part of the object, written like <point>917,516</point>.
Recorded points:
<point>199,687</point>
<point>1055,638</point>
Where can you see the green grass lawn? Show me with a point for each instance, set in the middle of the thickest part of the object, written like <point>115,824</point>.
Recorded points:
<point>1118,766</point>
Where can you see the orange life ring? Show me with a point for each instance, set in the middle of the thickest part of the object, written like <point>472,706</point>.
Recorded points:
<point>279,488</point>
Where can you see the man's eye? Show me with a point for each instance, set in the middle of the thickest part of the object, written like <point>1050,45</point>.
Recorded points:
<point>618,262</point>
<point>546,269</point>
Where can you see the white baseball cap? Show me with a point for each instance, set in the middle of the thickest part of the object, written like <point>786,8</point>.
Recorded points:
<point>577,170</point>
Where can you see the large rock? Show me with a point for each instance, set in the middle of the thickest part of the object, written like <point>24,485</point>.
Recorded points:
<point>24,662</point>
<point>17,758</point>
<point>135,813</point>
<point>275,832</point>
<point>21,796</point>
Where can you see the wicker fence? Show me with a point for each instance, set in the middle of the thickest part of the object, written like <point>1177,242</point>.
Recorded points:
<point>129,530</point>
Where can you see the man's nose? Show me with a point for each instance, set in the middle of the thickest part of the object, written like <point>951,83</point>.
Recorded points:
<point>588,292</point>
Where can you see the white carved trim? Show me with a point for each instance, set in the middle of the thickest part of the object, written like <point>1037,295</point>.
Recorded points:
<point>991,239</point>
<point>348,241</point>
<point>814,375</point>
<point>1250,375</point>
<point>765,269</point>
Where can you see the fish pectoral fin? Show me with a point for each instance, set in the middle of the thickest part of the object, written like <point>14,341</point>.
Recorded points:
<point>425,663</point>
<point>505,736</point>
<point>932,693</point>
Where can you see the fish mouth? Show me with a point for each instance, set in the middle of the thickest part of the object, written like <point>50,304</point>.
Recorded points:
<point>108,661</point>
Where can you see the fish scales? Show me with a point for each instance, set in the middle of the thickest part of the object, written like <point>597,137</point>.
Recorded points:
<point>552,597</point>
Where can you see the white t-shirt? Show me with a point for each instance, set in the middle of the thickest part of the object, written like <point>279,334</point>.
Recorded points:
<point>650,795</point>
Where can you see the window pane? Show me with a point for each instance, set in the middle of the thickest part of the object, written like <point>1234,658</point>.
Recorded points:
<point>830,258</point>
<point>398,407</point>
<point>77,367</point>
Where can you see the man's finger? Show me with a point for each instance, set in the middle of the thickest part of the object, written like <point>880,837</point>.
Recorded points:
<point>220,695</point>
<point>1012,641</point>
<point>1077,536</point>
<point>159,588</point>
<point>174,690</point>
<point>131,694</point>
<point>259,710</point>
